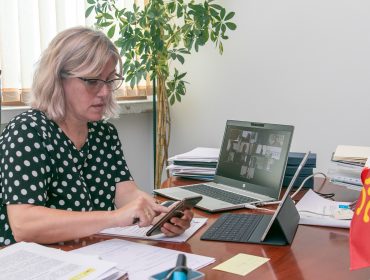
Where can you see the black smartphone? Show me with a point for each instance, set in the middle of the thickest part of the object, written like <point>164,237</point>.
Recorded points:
<point>176,211</point>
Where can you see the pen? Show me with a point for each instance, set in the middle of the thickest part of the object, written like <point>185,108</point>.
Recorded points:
<point>180,272</point>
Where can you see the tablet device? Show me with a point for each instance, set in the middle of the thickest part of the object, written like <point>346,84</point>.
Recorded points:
<point>176,211</point>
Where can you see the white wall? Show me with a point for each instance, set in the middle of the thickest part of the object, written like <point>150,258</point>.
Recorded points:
<point>305,63</point>
<point>135,132</point>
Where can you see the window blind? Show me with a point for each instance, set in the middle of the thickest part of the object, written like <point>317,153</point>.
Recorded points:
<point>27,27</point>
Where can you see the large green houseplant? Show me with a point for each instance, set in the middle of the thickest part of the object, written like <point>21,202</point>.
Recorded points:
<point>152,37</point>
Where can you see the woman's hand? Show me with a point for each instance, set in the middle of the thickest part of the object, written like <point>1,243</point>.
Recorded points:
<point>177,226</point>
<point>140,211</point>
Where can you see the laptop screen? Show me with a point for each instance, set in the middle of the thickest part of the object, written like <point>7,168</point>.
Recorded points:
<point>254,155</point>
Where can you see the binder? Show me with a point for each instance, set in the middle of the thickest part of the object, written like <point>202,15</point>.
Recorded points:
<point>294,158</point>
<point>309,183</point>
<point>305,171</point>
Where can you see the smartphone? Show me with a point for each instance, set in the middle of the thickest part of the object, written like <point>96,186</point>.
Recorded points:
<point>176,211</point>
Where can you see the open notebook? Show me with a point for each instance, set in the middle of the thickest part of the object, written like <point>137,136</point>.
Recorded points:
<point>250,167</point>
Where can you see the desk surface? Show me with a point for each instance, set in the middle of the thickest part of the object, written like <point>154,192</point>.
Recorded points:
<point>316,252</point>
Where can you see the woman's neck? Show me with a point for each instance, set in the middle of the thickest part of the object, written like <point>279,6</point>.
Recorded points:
<point>76,131</point>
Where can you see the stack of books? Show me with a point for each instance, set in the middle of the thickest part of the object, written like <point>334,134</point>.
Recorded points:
<point>294,159</point>
<point>200,164</point>
<point>346,165</point>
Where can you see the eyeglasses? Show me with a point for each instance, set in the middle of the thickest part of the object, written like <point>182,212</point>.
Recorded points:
<point>95,85</point>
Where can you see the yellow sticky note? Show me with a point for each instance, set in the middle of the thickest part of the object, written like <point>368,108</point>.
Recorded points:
<point>241,264</point>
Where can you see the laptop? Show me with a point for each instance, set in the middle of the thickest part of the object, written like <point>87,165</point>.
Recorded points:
<point>276,229</point>
<point>250,169</point>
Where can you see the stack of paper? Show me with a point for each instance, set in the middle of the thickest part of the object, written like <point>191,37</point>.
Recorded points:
<point>351,154</point>
<point>33,261</point>
<point>347,164</point>
<point>345,174</point>
<point>141,260</point>
<point>316,210</point>
<point>200,163</point>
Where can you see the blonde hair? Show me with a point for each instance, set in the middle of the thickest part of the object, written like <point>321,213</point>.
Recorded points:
<point>74,52</point>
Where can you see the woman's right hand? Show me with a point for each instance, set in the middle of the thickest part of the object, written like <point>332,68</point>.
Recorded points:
<point>140,211</point>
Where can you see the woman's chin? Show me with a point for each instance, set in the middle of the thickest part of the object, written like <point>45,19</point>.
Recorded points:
<point>97,113</point>
<point>95,117</point>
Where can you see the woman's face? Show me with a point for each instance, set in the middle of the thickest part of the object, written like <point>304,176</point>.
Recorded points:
<point>84,101</point>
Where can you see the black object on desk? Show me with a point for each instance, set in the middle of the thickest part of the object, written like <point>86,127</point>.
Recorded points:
<point>254,228</point>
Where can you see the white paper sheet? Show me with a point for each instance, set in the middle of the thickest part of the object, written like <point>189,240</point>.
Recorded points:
<point>200,153</point>
<point>192,169</point>
<point>33,261</point>
<point>139,232</point>
<point>312,203</point>
<point>141,260</point>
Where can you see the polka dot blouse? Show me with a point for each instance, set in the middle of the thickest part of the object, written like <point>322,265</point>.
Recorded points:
<point>41,166</point>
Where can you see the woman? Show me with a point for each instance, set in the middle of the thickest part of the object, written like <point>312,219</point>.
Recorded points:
<point>63,174</point>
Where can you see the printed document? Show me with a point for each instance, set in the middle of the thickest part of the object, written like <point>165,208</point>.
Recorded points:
<point>141,260</point>
<point>33,261</point>
<point>198,154</point>
<point>139,232</point>
<point>316,210</point>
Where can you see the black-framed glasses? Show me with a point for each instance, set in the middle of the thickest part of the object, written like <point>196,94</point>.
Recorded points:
<point>95,85</point>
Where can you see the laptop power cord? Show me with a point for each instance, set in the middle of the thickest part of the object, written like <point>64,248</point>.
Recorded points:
<point>295,193</point>
<point>254,207</point>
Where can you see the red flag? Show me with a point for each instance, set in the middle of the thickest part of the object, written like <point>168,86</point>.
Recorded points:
<point>360,226</point>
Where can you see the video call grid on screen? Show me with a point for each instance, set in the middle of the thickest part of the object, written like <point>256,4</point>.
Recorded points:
<point>255,156</point>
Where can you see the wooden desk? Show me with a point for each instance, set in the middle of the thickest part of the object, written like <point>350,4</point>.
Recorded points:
<point>316,252</point>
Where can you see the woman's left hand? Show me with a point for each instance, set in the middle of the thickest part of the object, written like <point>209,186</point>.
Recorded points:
<point>178,225</point>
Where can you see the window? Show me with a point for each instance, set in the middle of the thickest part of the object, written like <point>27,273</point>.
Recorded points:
<point>26,28</point>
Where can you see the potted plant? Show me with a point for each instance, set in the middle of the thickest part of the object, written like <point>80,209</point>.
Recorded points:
<point>152,37</point>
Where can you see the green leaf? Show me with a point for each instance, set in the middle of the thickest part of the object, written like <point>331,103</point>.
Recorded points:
<point>106,24</point>
<point>221,48</point>
<point>107,16</point>
<point>172,100</point>
<point>111,31</point>
<point>223,28</point>
<point>231,25</point>
<point>214,13</point>
<point>88,11</point>
<point>222,13</point>
<point>133,82</point>
<point>218,7</point>
<point>229,16</point>
<point>180,11</point>
<point>178,97</point>
<point>171,7</point>
<point>181,58</point>
<point>182,75</point>
<point>92,2</point>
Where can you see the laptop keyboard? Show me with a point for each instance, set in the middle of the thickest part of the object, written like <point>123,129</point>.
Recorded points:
<point>233,227</point>
<point>230,197</point>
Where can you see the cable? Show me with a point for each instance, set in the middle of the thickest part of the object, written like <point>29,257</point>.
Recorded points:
<point>312,212</point>
<point>306,179</point>
<point>299,188</point>
<point>254,207</point>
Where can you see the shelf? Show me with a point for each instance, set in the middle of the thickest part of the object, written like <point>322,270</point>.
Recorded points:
<point>128,106</point>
